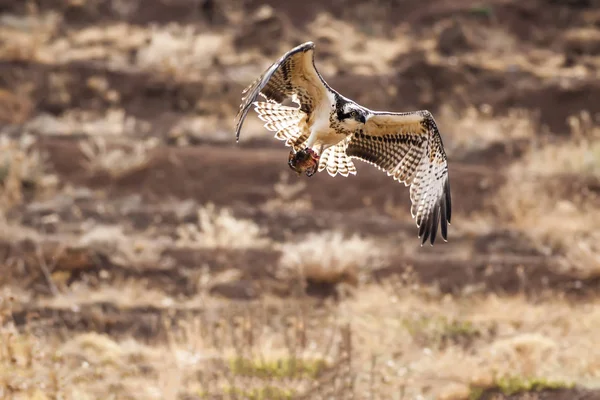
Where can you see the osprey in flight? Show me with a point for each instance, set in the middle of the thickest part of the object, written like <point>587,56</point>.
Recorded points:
<point>327,130</point>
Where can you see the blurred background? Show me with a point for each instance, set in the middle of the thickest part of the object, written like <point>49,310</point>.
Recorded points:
<point>146,255</point>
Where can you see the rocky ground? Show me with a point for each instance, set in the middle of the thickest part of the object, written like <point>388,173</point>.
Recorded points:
<point>146,255</point>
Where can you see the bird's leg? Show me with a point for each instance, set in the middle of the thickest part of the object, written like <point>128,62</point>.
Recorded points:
<point>320,150</point>
<point>306,160</point>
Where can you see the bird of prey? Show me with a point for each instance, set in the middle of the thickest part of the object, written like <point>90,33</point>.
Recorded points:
<point>326,131</point>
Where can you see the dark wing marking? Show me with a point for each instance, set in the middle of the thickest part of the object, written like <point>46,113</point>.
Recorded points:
<point>293,76</point>
<point>408,146</point>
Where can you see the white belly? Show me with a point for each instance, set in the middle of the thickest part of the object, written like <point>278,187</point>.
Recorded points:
<point>321,134</point>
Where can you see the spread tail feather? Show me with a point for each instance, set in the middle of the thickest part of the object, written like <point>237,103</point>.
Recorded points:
<point>335,160</point>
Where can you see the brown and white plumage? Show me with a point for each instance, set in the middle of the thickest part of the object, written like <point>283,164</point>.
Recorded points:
<point>409,148</point>
<point>288,123</point>
<point>335,159</point>
<point>330,130</point>
<point>292,76</point>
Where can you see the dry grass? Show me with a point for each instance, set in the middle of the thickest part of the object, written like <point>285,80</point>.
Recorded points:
<point>580,155</point>
<point>515,339</point>
<point>112,124</point>
<point>477,128</point>
<point>540,197</point>
<point>369,345</point>
<point>116,161</point>
<point>180,50</point>
<point>218,228</point>
<point>382,340</point>
<point>28,35</point>
<point>290,194</point>
<point>22,166</point>
<point>371,54</point>
<point>331,257</point>
<point>127,324</point>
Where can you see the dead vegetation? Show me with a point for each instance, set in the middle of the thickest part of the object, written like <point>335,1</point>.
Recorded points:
<point>551,194</point>
<point>297,352</point>
<point>144,255</point>
<point>116,162</point>
<point>221,230</point>
<point>23,169</point>
<point>330,258</point>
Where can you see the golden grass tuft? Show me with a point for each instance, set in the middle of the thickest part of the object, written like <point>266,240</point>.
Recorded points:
<point>579,155</point>
<point>117,162</point>
<point>219,228</point>
<point>27,35</point>
<point>114,123</point>
<point>538,198</point>
<point>476,128</point>
<point>330,257</point>
<point>22,166</point>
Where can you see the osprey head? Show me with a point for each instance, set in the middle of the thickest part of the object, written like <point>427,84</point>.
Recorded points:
<point>350,114</point>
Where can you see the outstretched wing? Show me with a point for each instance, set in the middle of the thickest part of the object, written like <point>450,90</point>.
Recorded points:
<point>292,76</point>
<point>408,146</point>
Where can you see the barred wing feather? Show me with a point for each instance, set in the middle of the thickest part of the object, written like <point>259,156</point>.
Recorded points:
<point>294,77</point>
<point>408,146</point>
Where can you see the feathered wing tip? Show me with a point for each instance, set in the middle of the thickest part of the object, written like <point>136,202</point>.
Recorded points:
<point>409,148</point>
<point>433,213</point>
<point>248,95</point>
<point>430,196</point>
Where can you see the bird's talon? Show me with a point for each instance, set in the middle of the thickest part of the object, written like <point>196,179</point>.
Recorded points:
<point>305,160</point>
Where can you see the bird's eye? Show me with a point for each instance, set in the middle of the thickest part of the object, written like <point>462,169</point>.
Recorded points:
<point>353,114</point>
